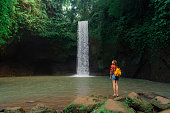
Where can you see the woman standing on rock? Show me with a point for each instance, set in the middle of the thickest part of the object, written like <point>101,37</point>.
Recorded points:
<point>114,78</point>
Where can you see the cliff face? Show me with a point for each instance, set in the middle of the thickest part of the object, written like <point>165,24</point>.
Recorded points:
<point>156,68</point>
<point>147,65</point>
<point>39,57</point>
<point>36,56</point>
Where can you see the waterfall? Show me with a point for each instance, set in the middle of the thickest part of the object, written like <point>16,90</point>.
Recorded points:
<point>82,49</point>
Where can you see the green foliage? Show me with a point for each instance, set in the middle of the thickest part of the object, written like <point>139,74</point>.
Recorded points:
<point>139,104</point>
<point>78,108</point>
<point>137,25</point>
<point>7,21</point>
<point>115,9</point>
<point>140,25</point>
<point>18,16</point>
<point>31,16</point>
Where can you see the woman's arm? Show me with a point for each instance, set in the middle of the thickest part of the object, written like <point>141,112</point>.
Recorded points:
<point>111,72</point>
<point>110,75</point>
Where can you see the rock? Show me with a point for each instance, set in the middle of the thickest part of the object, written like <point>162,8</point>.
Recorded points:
<point>14,110</point>
<point>148,96</point>
<point>31,101</point>
<point>137,103</point>
<point>165,111</point>
<point>2,110</point>
<point>119,99</point>
<point>84,105</point>
<point>40,108</point>
<point>133,95</point>
<point>115,106</point>
<point>162,100</point>
<point>85,100</point>
<point>110,97</point>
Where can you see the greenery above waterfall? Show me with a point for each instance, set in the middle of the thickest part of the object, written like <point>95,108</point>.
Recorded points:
<point>117,28</point>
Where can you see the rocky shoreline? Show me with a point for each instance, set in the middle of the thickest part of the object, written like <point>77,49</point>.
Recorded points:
<point>132,103</point>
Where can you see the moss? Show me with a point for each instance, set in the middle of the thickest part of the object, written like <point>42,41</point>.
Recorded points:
<point>79,108</point>
<point>96,100</point>
<point>139,104</point>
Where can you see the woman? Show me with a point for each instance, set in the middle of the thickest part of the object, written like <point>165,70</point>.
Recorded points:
<point>114,78</point>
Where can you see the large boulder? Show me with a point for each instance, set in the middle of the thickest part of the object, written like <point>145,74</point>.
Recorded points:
<point>14,110</point>
<point>148,96</point>
<point>84,104</point>
<point>40,108</point>
<point>161,102</point>
<point>138,103</point>
<point>115,106</point>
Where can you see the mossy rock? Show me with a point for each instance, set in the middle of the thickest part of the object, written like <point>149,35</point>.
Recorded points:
<point>158,104</point>
<point>116,106</point>
<point>138,104</point>
<point>40,108</point>
<point>79,108</point>
<point>84,104</point>
<point>14,110</point>
<point>103,110</point>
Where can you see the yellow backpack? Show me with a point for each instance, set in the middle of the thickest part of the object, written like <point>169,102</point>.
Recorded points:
<point>117,72</point>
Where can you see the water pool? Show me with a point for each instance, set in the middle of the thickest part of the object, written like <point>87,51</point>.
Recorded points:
<point>59,91</point>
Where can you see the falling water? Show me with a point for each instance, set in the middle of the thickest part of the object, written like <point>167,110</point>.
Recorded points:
<point>83,49</point>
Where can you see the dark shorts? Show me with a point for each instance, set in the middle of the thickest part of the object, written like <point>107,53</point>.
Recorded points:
<point>113,77</point>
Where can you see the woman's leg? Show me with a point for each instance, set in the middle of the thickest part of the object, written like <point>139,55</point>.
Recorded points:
<point>113,81</point>
<point>116,83</point>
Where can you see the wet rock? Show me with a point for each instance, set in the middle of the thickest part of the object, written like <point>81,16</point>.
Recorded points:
<point>137,103</point>
<point>115,106</point>
<point>14,110</point>
<point>40,108</point>
<point>119,99</point>
<point>148,96</point>
<point>31,101</point>
<point>160,102</point>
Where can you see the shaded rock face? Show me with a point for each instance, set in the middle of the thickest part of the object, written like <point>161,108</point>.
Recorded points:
<point>149,66</point>
<point>37,56</point>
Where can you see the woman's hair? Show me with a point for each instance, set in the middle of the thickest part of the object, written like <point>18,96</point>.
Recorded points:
<point>114,62</point>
